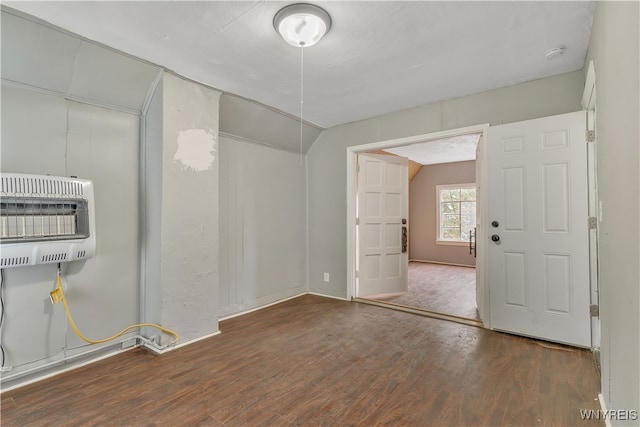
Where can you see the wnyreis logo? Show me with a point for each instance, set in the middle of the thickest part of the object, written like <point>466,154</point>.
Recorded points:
<point>609,414</point>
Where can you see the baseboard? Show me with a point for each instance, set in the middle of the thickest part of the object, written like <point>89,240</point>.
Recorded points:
<point>260,307</point>
<point>328,296</point>
<point>231,316</point>
<point>159,351</point>
<point>442,263</point>
<point>74,362</point>
<point>603,406</point>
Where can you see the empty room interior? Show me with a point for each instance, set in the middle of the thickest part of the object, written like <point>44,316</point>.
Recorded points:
<point>217,213</point>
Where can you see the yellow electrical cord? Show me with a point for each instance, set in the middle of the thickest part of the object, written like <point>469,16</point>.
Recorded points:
<point>57,295</point>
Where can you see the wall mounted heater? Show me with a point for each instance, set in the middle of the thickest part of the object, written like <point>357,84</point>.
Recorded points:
<point>45,219</point>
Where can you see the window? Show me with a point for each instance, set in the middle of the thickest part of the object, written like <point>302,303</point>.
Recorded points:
<point>456,215</point>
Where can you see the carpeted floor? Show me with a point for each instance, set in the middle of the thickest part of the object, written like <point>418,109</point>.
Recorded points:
<point>442,288</point>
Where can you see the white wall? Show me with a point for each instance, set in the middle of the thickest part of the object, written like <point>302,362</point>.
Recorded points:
<point>181,288</point>
<point>327,157</point>
<point>262,225</point>
<point>44,134</point>
<point>615,48</point>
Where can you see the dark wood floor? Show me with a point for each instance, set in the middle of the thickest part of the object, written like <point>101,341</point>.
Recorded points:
<point>441,288</point>
<point>318,361</point>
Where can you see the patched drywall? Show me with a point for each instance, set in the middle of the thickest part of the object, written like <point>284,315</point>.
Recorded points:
<point>188,288</point>
<point>196,149</point>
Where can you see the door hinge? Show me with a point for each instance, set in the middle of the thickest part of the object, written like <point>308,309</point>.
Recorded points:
<point>356,273</point>
<point>594,310</point>
<point>592,222</point>
<point>590,135</point>
<point>357,220</point>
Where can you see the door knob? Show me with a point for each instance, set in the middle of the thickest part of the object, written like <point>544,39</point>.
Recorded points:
<point>495,238</point>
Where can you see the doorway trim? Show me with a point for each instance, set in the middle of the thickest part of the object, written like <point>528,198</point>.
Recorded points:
<point>352,153</point>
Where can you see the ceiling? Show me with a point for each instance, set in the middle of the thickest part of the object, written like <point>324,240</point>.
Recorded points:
<point>446,150</point>
<point>379,57</point>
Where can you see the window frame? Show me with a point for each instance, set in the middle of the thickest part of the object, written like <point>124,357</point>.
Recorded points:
<point>439,188</point>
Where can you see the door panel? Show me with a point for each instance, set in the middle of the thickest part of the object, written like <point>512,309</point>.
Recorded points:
<point>382,205</point>
<point>539,257</point>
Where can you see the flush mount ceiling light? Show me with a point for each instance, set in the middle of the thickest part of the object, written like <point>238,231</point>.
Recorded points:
<point>302,24</point>
<point>554,53</point>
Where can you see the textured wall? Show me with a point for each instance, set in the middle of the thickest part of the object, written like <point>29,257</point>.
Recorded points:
<point>188,287</point>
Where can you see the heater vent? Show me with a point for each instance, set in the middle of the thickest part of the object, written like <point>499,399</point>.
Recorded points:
<point>14,262</point>
<point>54,258</point>
<point>45,219</point>
<point>31,185</point>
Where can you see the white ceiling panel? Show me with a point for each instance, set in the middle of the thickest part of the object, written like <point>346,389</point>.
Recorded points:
<point>379,57</point>
<point>446,150</point>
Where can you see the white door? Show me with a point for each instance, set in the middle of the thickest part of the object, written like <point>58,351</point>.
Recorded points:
<point>383,205</point>
<point>539,267</point>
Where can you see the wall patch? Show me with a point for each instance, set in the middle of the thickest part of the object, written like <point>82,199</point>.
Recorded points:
<point>196,149</point>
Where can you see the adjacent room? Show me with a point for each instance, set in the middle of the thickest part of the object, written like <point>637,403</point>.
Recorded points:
<point>197,196</point>
<point>442,227</point>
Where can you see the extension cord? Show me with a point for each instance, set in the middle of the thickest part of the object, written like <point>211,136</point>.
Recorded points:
<point>55,296</point>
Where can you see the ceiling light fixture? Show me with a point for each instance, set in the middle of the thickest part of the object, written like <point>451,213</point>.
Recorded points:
<point>554,53</point>
<point>302,24</point>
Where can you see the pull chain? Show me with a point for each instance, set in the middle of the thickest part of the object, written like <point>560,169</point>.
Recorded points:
<point>301,95</point>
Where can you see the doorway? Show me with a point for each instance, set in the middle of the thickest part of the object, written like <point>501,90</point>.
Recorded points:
<point>532,200</point>
<point>440,284</point>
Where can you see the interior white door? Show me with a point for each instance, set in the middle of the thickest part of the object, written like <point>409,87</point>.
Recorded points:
<point>539,267</point>
<point>382,208</point>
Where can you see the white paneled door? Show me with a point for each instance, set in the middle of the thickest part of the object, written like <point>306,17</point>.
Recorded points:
<point>538,229</point>
<point>382,224</point>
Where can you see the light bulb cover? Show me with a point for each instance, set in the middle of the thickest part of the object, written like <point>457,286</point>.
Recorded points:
<point>302,24</point>
<point>555,52</point>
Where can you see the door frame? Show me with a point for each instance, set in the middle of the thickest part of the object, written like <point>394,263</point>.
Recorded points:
<point>351,195</point>
<point>595,211</point>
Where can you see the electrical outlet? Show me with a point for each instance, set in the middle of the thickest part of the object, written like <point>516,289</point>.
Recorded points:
<point>326,277</point>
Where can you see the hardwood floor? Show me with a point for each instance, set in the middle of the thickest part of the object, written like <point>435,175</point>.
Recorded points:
<point>441,288</point>
<point>318,361</point>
